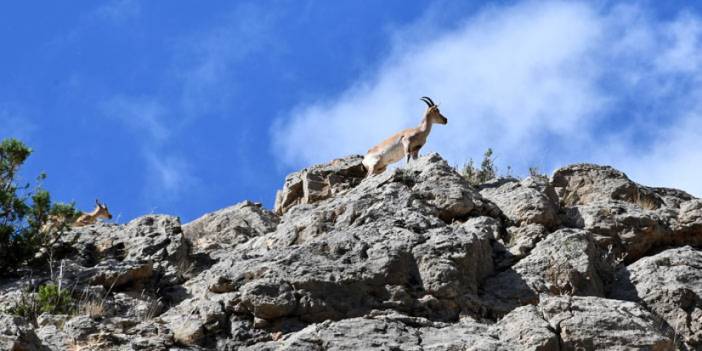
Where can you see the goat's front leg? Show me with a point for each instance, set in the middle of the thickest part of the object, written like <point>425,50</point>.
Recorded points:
<point>406,148</point>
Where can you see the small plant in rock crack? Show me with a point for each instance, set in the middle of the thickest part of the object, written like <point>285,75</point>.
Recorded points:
<point>184,268</point>
<point>613,258</point>
<point>154,306</point>
<point>558,277</point>
<point>92,308</point>
<point>92,304</point>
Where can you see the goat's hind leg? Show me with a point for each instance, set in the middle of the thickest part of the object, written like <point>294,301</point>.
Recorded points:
<point>370,167</point>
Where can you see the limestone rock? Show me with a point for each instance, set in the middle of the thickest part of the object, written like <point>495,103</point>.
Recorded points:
<point>594,323</point>
<point>319,182</point>
<point>566,262</point>
<point>670,285</point>
<point>17,335</point>
<point>631,218</point>
<point>147,248</point>
<point>530,201</point>
<point>231,226</point>
<point>414,258</point>
<point>582,184</point>
<point>525,326</point>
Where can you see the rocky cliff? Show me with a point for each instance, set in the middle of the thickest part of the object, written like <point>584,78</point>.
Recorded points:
<point>412,259</point>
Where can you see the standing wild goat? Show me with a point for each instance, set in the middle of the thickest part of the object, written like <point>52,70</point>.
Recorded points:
<point>404,143</point>
<point>86,218</point>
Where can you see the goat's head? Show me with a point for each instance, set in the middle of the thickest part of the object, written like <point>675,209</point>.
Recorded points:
<point>433,114</point>
<point>101,210</point>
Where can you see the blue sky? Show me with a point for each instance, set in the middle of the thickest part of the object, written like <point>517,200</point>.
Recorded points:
<point>172,108</point>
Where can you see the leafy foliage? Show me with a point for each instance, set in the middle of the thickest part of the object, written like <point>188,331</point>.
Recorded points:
<point>25,211</point>
<point>48,299</point>
<point>52,300</point>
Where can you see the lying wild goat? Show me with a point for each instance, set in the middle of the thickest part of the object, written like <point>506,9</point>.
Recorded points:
<point>86,218</point>
<point>404,143</point>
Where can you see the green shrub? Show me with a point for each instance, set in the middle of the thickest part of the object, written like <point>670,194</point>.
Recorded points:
<point>51,300</point>
<point>487,170</point>
<point>24,210</point>
<point>48,299</point>
<point>535,172</point>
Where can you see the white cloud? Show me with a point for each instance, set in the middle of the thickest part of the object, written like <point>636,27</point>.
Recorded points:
<point>542,83</point>
<point>672,159</point>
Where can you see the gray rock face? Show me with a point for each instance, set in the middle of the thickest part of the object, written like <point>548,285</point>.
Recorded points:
<point>393,331</point>
<point>631,218</point>
<point>387,243</point>
<point>319,182</point>
<point>147,250</point>
<point>582,184</point>
<point>411,259</point>
<point>593,323</point>
<point>530,201</point>
<point>566,262</point>
<point>229,227</point>
<point>17,335</point>
<point>670,285</point>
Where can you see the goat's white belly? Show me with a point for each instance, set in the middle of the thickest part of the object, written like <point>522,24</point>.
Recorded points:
<point>393,153</point>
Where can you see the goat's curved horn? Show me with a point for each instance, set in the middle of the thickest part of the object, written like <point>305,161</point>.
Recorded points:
<point>427,101</point>
<point>97,202</point>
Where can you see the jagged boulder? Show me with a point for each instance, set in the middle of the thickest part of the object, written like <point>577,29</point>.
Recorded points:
<point>415,239</point>
<point>525,328</point>
<point>582,184</point>
<point>687,226</point>
<point>531,208</point>
<point>520,240</point>
<point>229,227</point>
<point>148,250</point>
<point>594,323</point>
<point>530,201</point>
<point>670,285</point>
<point>86,333</point>
<point>566,262</point>
<point>382,330</point>
<point>16,334</point>
<point>319,182</point>
<point>631,218</point>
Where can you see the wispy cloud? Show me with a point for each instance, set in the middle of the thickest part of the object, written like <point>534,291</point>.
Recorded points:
<point>543,83</point>
<point>118,10</point>
<point>167,174</point>
<point>15,123</point>
<point>201,69</point>
<point>205,62</point>
<point>140,114</point>
<point>170,175</point>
